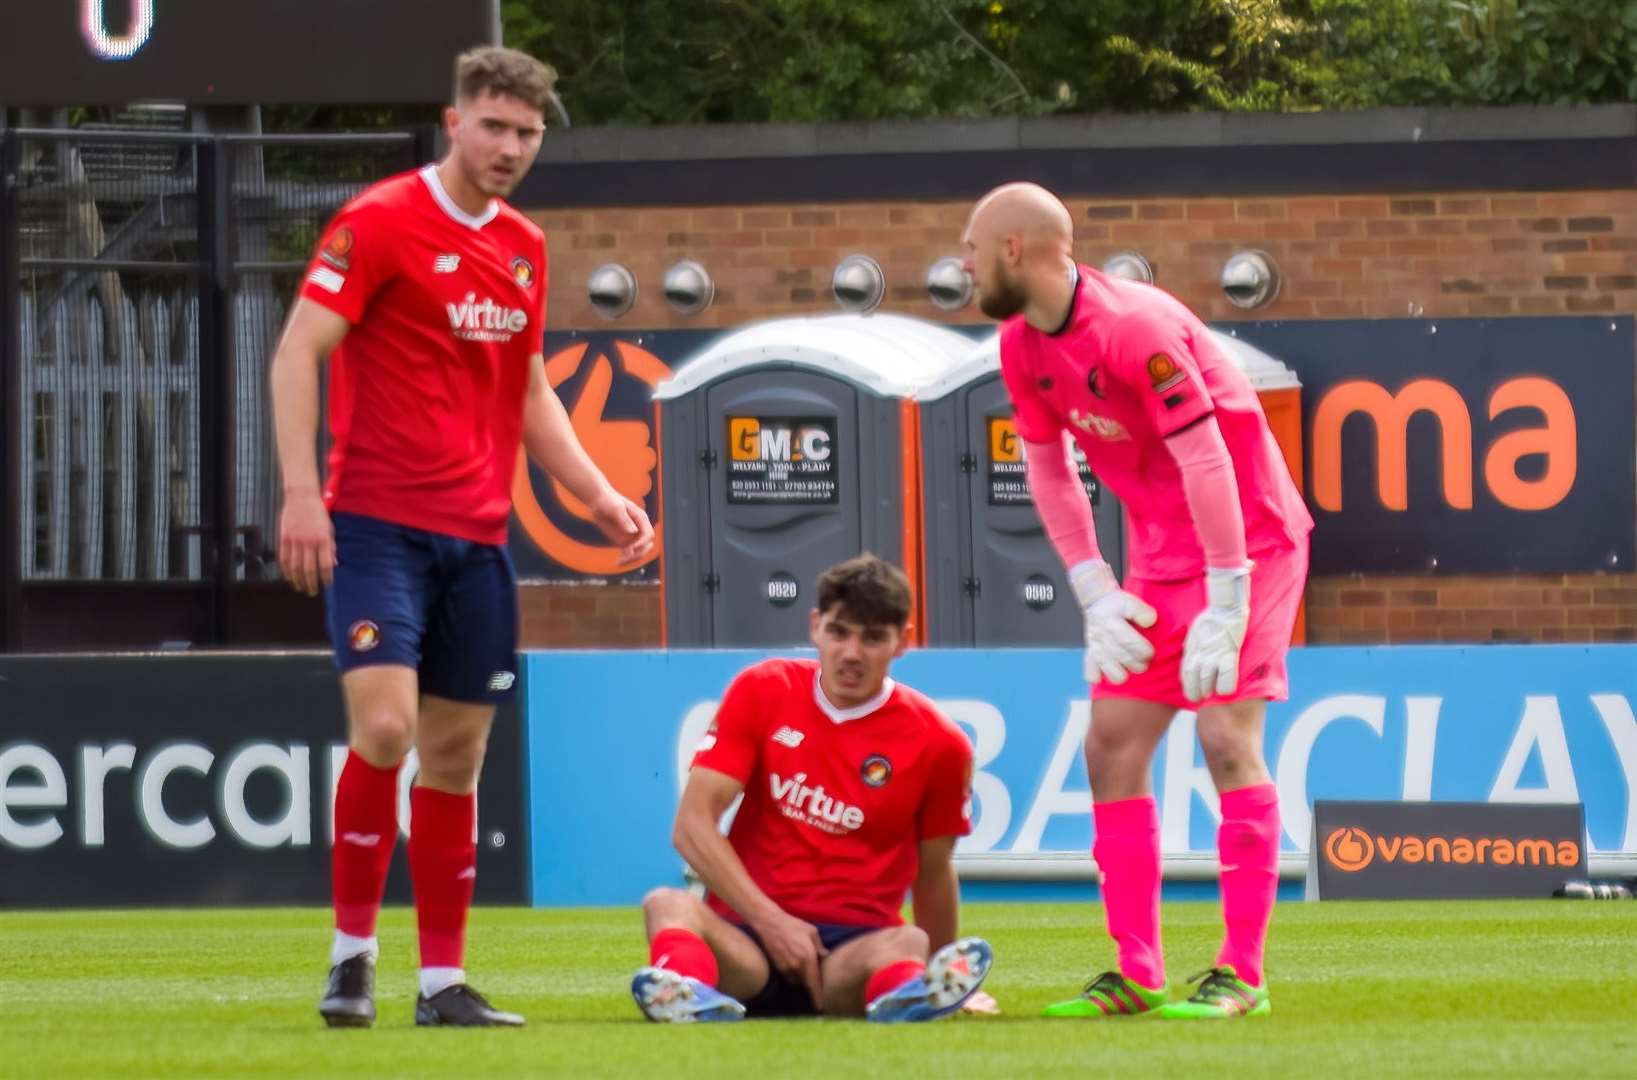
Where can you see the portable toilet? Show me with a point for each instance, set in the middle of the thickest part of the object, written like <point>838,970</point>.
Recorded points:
<point>786,447</point>
<point>1280,392</point>
<point>991,576</point>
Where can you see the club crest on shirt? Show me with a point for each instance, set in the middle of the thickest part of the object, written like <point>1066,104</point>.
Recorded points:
<point>1094,383</point>
<point>337,248</point>
<point>1163,372</point>
<point>876,770</point>
<point>522,272</point>
<point>363,635</point>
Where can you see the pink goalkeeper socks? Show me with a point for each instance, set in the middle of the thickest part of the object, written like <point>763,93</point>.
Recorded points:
<point>1248,846</point>
<point>1127,850</point>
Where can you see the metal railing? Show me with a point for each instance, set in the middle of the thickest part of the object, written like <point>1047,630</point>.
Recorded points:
<point>144,277</point>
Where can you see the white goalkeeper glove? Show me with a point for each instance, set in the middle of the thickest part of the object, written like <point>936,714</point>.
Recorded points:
<point>1114,649</point>
<point>1210,655</point>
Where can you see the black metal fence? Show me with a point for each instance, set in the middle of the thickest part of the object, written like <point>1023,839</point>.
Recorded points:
<point>144,278</point>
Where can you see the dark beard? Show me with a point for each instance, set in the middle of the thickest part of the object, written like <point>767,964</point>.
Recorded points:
<point>1006,301</point>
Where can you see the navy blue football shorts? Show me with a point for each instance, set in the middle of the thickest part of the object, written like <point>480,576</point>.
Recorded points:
<point>784,996</point>
<point>444,606</point>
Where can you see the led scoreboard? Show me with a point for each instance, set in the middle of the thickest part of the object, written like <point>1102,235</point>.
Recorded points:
<point>236,52</point>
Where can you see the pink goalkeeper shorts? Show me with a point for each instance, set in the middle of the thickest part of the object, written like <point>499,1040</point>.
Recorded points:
<point>1276,584</point>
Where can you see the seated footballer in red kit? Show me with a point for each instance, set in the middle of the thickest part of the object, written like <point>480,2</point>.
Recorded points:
<point>855,791</point>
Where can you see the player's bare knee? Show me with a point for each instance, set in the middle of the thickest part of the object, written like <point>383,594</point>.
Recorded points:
<point>382,736</point>
<point>452,758</point>
<point>1231,756</point>
<point>667,906</point>
<point>910,943</point>
<point>1113,760</point>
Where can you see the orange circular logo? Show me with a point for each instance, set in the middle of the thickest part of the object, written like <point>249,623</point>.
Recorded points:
<point>876,770</point>
<point>340,242</point>
<point>1349,850</point>
<point>625,451</point>
<point>363,635</point>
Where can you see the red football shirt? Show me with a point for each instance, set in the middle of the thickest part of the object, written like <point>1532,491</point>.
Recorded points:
<point>427,388</point>
<point>835,803</point>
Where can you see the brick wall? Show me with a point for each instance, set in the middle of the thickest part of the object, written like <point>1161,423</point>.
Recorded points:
<point>1341,257</point>
<point>589,616</point>
<point>1377,609</point>
<point>1433,253</point>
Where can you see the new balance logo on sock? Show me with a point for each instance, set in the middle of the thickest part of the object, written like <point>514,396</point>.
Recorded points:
<point>468,874</point>
<point>788,736</point>
<point>361,839</point>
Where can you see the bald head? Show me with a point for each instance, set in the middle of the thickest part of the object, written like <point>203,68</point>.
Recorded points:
<point>1022,209</point>
<point>1016,235</point>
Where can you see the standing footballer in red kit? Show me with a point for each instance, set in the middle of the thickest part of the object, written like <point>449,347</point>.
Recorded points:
<point>1218,542</point>
<point>855,790</point>
<point>428,296</point>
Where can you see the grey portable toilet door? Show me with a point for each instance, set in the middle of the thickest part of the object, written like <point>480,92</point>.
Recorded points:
<point>1016,583</point>
<point>785,501</point>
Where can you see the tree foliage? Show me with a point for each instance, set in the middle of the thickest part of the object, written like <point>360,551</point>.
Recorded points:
<point>689,61</point>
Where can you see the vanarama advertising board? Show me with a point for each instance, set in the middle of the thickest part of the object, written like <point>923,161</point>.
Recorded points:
<point>1409,850</point>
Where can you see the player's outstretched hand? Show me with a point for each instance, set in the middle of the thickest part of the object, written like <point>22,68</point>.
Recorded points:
<point>795,949</point>
<point>306,541</point>
<point>1210,655</point>
<point>981,1004</point>
<point>625,523</point>
<point>1114,648</point>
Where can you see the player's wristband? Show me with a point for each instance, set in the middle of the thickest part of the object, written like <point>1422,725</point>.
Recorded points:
<point>1227,589</point>
<point>1092,580</point>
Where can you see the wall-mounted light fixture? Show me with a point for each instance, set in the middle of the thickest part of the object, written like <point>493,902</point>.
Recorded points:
<point>858,283</point>
<point>1129,265</point>
<point>1250,279</point>
<point>948,284</point>
<point>612,289</point>
<point>689,288</point>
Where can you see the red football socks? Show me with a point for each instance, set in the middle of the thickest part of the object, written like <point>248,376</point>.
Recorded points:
<point>443,870</point>
<point>685,953</point>
<point>891,977</point>
<point>366,831</point>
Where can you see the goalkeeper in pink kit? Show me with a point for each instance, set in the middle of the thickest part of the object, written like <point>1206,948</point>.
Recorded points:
<point>1217,535</point>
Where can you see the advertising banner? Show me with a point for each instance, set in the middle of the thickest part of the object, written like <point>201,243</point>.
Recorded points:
<point>201,779</point>
<point>605,382</point>
<point>1008,472</point>
<point>1466,445</point>
<point>1426,850</point>
<point>783,461</point>
<point>1493,724</point>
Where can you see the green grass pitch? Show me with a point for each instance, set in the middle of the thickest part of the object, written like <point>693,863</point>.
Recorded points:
<point>1482,988</point>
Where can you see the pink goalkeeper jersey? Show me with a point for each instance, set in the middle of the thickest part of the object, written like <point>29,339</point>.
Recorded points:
<point>1132,366</point>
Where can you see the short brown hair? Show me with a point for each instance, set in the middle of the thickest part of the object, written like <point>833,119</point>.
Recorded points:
<point>869,589</point>
<point>492,69</point>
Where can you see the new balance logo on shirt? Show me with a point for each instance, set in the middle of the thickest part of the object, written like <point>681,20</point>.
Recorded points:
<point>788,736</point>
<point>446,264</point>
